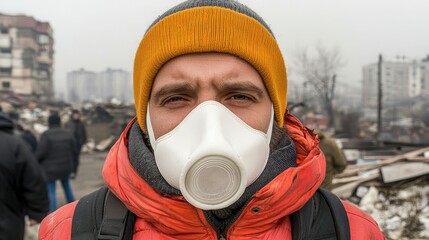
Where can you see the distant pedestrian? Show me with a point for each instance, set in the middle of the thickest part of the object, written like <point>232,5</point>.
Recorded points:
<point>56,151</point>
<point>336,161</point>
<point>78,128</point>
<point>23,189</point>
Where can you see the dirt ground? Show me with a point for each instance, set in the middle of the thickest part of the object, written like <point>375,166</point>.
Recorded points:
<point>89,176</point>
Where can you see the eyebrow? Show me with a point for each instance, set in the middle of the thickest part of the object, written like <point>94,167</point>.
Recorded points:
<point>173,88</point>
<point>240,86</point>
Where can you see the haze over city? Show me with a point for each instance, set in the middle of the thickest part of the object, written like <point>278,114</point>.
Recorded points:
<point>99,34</point>
<point>215,136</point>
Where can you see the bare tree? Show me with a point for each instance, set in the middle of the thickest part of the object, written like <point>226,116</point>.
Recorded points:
<point>319,71</point>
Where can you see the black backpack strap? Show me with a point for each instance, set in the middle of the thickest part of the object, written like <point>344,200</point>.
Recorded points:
<point>301,221</point>
<point>339,214</point>
<point>322,217</point>
<point>117,222</point>
<point>88,215</point>
<point>101,215</point>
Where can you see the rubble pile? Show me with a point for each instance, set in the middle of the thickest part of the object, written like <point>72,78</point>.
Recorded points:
<point>104,124</point>
<point>397,199</point>
<point>401,210</point>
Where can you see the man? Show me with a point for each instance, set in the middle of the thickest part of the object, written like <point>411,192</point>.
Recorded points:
<point>78,128</point>
<point>211,154</point>
<point>23,189</point>
<point>55,153</point>
<point>336,161</point>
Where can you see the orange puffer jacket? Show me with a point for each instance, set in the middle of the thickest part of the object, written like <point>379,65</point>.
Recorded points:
<point>162,217</point>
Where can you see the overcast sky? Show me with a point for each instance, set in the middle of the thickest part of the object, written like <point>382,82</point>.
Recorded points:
<point>97,34</point>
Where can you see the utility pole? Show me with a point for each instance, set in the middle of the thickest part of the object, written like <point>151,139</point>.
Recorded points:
<point>329,102</point>
<point>380,102</point>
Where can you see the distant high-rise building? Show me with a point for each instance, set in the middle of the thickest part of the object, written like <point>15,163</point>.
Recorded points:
<point>83,85</point>
<point>26,56</point>
<point>422,76</point>
<point>416,80</point>
<point>394,81</point>
<point>116,84</point>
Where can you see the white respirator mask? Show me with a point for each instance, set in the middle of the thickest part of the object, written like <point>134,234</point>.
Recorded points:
<point>212,155</point>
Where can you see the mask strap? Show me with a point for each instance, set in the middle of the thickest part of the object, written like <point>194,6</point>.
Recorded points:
<point>149,129</point>
<point>270,127</point>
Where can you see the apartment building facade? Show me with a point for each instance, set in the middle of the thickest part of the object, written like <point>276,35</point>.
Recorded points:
<point>26,56</point>
<point>89,86</point>
<point>394,82</point>
<point>82,85</point>
<point>419,78</point>
<point>116,84</point>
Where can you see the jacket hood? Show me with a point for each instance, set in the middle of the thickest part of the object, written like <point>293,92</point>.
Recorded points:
<point>285,194</point>
<point>6,124</point>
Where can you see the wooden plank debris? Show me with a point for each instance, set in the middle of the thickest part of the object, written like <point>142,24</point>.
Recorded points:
<point>403,170</point>
<point>388,169</point>
<point>383,157</point>
<point>352,170</point>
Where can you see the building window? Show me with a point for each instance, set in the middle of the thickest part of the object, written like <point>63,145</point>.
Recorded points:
<point>43,73</point>
<point>5,71</point>
<point>43,53</point>
<point>5,85</point>
<point>43,66</point>
<point>43,39</point>
<point>5,50</point>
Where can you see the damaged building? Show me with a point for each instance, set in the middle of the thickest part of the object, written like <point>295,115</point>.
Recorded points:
<point>26,56</point>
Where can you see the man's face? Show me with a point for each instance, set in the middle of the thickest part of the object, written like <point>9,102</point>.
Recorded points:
<point>186,81</point>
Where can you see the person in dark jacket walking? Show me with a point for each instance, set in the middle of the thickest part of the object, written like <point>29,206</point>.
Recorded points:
<point>56,151</point>
<point>22,184</point>
<point>79,132</point>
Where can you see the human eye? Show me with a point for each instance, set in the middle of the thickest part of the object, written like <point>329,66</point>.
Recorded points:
<point>242,94</point>
<point>241,97</point>
<point>174,101</point>
<point>173,95</point>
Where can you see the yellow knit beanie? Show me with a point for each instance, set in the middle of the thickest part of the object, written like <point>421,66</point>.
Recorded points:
<point>198,26</point>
